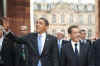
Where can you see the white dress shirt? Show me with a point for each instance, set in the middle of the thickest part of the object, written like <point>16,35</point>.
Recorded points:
<point>1,41</point>
<point>73,46</point>
<point>43,40</point>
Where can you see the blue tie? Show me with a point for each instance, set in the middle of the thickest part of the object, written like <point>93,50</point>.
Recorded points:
<point>39,44</point>
<point>39,48</point>
<point>76,50</point>
<point>59,46</point>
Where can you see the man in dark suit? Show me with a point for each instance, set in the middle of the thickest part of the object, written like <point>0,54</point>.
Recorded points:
<point>75,53</point>
<point>97,52</point>
<point>9,44</point>
<point>6,54</point>
<point>42,47</point>
<point>83,37</point>
<point>60,42</point>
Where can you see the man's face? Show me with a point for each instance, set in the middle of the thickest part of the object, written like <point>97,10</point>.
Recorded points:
<point>60,36</point>
<point>75,35</point>
<point>83,35</point>
<point>41,26</point>
<point>6,24</point>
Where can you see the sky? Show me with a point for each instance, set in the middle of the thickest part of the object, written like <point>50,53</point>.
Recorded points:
<point>69,1</point>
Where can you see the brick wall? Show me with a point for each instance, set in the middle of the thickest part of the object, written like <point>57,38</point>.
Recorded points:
<point>18,13</point>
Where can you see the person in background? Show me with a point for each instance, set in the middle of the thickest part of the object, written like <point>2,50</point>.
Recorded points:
<point>6,54</point>
<point>23,30</point>
<point>97,49</point>
<point>60,38</point>
<point>61,42</point>
<point>83,37</point>
<point>10,45</point>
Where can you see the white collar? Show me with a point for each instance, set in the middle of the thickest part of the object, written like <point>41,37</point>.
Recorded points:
<point>73,45</point>
<point>43,34</point>
<point>75,42</point>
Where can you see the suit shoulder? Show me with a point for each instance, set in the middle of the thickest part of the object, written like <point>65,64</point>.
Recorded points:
<point>66,43</point>
<point>97,42</point>
<point>51,36</point>
<point>29,35</point>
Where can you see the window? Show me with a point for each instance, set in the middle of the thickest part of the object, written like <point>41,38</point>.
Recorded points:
<point>71,19</point>
<point>54,19</point>
<point>35,18</point>
<point>39,6</point>
<point>48,6</point>
<point>62,19</point>
<point>89,19</point>
<point>81,20</point>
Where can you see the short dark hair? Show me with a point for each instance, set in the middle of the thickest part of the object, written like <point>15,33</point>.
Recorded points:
<point>71,27</point>
<point>82,30</point>
<point>45,20</point>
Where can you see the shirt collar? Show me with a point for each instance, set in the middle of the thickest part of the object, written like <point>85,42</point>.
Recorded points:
<point>73,43</point>
<point>43,34</point>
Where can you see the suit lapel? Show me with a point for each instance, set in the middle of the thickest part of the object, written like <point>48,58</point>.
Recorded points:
<point>81,48</point>
<point>33,43</point>
<point>71,49</point>
<point>45,45</point>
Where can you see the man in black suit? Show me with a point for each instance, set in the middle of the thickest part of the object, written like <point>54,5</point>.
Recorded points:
<point>61,42</point>
<point>83,37</point>
<point>42,47</point>
<point>97,52</point>
<point>75,53</point>
<point>9,44</point>
<point>6,54</point>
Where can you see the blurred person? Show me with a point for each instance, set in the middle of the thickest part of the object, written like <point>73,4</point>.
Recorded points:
<point>6,57</point>
<point>10,45</point>
<point>23,30</point>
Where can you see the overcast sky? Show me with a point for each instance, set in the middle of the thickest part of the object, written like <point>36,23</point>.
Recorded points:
<point>69,1</point>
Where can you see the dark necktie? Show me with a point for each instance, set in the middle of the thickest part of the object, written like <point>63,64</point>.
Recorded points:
<point>76,50</point>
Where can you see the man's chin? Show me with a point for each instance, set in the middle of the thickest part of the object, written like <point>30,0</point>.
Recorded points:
<point>38,31</point>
